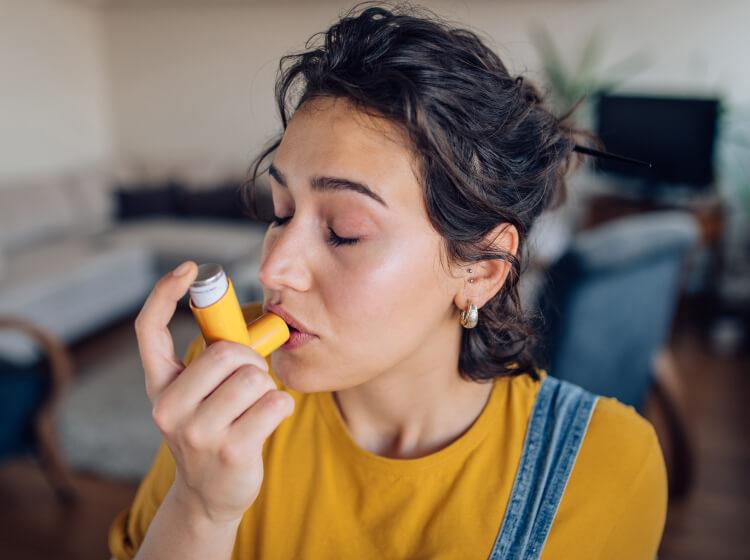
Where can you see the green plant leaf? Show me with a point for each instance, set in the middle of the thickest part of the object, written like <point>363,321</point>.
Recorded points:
<point>629,66</point>
<point>589,58</point>
<point>542,39</point>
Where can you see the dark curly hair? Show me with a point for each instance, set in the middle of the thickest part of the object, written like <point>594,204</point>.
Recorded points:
<point>489,150</point>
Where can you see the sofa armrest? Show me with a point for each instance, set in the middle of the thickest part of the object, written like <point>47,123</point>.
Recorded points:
<point>61,362</point>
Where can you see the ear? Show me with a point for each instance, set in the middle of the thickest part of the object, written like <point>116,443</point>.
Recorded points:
<point>489,275</point>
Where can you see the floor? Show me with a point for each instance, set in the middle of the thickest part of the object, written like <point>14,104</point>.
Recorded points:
<point>712,523</point>
<point>715,521</point>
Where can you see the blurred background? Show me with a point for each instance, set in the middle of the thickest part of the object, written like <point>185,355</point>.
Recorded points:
<point>126,127</point>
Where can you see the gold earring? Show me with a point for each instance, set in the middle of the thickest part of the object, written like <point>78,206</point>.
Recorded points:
<point>471,280</point>
<point>470,316</point>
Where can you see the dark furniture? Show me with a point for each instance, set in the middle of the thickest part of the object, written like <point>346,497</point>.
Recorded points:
<point>28,397</point>
<point>607,307</point>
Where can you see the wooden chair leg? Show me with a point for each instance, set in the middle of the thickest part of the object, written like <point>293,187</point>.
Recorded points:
<point>52,463</point>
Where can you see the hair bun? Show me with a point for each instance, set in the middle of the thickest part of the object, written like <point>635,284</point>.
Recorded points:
<point>528,91</point>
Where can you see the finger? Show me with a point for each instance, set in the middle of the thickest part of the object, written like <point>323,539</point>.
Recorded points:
<point>250,430</point>
<point>205,374</point>
<point>232,398</point>
<point>160,362</point>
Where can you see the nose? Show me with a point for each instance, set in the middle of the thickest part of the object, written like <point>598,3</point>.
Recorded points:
<point>284,260</point>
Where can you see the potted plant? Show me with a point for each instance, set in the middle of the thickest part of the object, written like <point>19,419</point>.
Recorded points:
<point>575,87</point>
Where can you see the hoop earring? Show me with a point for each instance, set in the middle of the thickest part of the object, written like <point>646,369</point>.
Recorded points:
<point>470,317</point>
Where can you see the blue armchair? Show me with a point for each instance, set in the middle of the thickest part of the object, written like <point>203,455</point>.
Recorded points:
<point>607,307</point>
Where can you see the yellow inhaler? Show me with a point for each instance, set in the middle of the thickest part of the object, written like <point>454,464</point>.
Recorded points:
<point>219,315</point>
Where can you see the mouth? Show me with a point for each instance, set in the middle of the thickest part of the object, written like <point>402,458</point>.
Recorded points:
<point>293,324</point>
<point>297,339</point>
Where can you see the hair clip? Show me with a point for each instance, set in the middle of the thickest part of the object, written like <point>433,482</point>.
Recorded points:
<point>607,155</point>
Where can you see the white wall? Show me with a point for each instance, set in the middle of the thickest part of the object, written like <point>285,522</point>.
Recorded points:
<point>54,111</point>
<point>197,81</point>
<point>170,80</point>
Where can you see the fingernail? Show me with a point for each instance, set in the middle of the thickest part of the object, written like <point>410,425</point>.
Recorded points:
<point>182,269</point>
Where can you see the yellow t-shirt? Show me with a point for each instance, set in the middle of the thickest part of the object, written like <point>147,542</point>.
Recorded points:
<point>325,497</point>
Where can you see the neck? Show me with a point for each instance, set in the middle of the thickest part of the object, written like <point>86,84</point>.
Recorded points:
<point>417,408</point>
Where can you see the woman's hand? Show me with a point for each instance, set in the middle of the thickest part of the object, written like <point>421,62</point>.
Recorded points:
<point>215,414</point>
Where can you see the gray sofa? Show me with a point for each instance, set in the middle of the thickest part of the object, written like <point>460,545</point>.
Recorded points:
<point>68,265</point>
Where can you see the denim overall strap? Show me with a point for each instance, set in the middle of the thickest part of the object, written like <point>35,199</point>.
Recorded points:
<point>558,424</point>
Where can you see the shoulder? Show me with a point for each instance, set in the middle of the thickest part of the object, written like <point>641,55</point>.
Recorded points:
<point>620,447</point>
<point>625,445</point>
<point>615,429</point>
<point>616,497</point>
<point>618,439</point>
<point>618,429</point>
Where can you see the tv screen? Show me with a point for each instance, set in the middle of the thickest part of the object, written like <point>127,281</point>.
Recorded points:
<point>675,134</point>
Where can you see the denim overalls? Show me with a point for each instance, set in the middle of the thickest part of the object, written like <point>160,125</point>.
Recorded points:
<point>558,423</point>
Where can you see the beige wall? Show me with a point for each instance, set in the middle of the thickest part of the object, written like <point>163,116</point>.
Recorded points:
<point>54,111</point>
<point>169,80</point>
<point>198,81</point>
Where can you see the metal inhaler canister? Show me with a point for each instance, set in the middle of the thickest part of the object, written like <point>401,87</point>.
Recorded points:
<point>219,315</point>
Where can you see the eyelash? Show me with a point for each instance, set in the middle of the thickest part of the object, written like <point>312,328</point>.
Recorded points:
<point>333,239</point>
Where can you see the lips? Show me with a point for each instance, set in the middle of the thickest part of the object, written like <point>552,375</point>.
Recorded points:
<point>289,319</point>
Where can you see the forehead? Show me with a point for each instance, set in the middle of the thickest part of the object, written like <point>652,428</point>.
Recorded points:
<point>329,136</point>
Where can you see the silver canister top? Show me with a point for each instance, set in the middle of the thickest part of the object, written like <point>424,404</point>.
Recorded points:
<point>209,286</point>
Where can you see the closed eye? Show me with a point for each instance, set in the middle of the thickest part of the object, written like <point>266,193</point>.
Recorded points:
<point>333,239</point>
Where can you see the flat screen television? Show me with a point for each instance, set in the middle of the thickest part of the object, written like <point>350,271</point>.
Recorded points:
<point>676,134</point>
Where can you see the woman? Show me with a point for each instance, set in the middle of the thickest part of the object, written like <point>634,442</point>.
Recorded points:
<point>412,421</point>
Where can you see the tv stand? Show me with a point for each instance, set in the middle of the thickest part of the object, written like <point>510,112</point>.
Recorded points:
<point>612,202</point>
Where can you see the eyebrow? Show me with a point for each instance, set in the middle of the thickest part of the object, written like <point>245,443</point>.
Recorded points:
<point>321,184</point>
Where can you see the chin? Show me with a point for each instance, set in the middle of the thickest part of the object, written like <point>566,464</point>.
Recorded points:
<point>299,379</point>
<point>311,380</point>
<point>303,384</point>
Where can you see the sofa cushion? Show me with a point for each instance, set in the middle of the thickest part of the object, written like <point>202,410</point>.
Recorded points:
<point>223,201</point>
<point>34,210</point>
<point>140,200</point>
<point>178,200</point>
<point>175,241</point>
<point>91,193</point>
<point>72,287</point>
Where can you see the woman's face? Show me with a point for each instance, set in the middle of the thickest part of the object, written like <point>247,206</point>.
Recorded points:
<point>373,303</point>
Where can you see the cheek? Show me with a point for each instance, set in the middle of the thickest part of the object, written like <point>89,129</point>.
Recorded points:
<point>388,298</point>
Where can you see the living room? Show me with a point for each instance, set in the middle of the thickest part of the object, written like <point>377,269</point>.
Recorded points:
<point>129,127</point>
